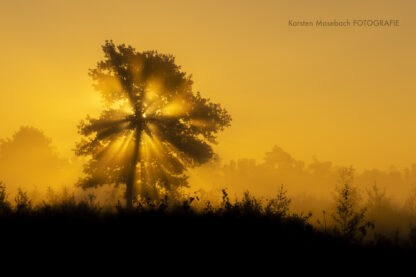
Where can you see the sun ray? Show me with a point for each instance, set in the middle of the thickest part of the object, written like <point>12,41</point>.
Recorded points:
<point>114,151</point>
<point>177,107</point>
<point>201,123</point>
<point>153,127</point>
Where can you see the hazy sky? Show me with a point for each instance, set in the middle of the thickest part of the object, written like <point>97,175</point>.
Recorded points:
<point>343,94</point>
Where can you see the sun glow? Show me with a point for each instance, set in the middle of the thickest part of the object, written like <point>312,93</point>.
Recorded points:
<point>152,91</point>
<point>201,123</point>
<point>116,150</point>
<point>150,147</point>
<point>177,107</point>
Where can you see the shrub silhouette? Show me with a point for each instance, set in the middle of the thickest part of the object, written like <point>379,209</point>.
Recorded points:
<point>350,220</point>
<point>241,228</point>
<point>5,206</point>
<point>23,203</point>
<point>280,204</point>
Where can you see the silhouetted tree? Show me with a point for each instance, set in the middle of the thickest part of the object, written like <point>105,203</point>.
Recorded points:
<point>23,203</point>
<point>381,209</point>
<point>410,203</point>
<point>277,157</point>
<point>280,204</point>
<point>28,160</point>
<point>154,125</point>
<point>5,206</point>
<point>349,219</point>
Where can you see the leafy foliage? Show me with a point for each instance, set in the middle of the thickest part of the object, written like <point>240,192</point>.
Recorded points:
<point>154,125</point>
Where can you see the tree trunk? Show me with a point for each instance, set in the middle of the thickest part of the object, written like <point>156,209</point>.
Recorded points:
<point>131,178</point>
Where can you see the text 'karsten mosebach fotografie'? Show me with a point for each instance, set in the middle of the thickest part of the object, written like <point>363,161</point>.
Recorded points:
<point>345,23</point>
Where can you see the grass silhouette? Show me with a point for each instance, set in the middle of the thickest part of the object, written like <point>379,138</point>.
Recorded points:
<point>247,229</point>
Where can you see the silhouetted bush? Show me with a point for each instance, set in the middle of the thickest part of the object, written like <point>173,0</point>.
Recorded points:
<point>5,207</point>
<point>23,203</point>
<point>349,218</point>
<point>280,204</point>
<point>240,228</point>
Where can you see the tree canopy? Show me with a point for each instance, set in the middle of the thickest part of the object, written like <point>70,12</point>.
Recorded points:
<point>153,127</point>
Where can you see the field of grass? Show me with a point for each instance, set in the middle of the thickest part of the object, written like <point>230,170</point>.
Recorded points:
<point>246,230</point>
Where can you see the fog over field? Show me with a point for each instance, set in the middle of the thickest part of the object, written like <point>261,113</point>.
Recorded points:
<point>389,194</point>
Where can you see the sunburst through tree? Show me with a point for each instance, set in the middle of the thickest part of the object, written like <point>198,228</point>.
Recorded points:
<point>153,128</point>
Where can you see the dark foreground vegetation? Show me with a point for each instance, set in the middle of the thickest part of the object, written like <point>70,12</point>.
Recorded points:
<point>247,230</point>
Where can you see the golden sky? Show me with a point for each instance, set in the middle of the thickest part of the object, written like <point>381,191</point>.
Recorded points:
<point>346,95</point>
